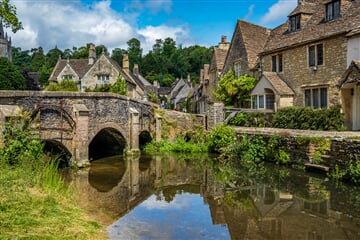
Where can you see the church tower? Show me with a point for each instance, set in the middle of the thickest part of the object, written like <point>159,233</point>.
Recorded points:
<point>5,43</point>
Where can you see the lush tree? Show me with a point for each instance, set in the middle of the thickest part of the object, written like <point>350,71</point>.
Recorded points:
<point>134,51</point>
<point>8,16</point>
<point>37,59</point>
<point>117,55</point>
<point>120,86</point>
<point>234,91</point>
<point>52,57</point>
<point>81,52</point>
<point>10,76</point>
<point>100,49</point>
<point>21,59</point>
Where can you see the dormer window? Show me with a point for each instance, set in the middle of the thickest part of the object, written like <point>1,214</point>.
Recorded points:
<point>332,10</point>
<point>294,24</point>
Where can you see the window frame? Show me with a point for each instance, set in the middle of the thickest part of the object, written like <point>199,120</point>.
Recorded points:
<point>237,69</point>
<point>295,23</point>
<point>316,97</point>
<point>333,10</point>
<point>103,79</point>
<point>277,63</point>
<point>68,77</point>
<point>315,55</point>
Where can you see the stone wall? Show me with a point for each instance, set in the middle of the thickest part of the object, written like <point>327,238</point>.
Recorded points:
<point>215,114</point>
<point>343,145</point>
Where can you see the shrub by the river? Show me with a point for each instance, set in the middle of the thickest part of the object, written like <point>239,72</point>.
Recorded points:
<point>249,119</point>
<point>326,119</point>
<point>220,137</point>
<point>34,202</point>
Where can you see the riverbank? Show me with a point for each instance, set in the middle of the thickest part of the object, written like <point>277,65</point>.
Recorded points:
<point>30,211</point>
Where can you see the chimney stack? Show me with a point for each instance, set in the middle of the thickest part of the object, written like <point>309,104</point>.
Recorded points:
<point>224,44</point>
<point>125,64</point>
<point>136,69</point>
<point>92,53</point>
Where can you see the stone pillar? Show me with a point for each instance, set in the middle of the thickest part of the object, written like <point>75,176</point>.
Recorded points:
<point>6,111</point>
<point>80,154</point>
<point>134,130</point>
<point>158,127</point>
<point>215,114</point>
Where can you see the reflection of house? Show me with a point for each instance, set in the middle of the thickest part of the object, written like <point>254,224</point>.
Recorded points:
<point>95,72</point>
<point>304,58</point>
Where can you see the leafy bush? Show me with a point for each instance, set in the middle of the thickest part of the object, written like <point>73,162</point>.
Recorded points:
<point>306,118</point>
<point>220,137</point>
<point>120,86</point>
<point>252,119</point>
<point>65,85</point>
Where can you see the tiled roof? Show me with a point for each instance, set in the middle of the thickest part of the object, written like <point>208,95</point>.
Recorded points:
<point>347,77</point>
<point>304,7</point>
<point>218,58</point>
<point>80,66</point>
<point>315,28</point>
<point>254,38</point>
<point>279,85</point>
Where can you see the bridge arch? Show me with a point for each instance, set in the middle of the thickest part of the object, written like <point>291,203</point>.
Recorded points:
<point>107,140</point>
<point>144,138</point>
<point>59,150</point>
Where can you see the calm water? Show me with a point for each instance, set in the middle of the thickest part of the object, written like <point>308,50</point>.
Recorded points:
<point>172,198</point>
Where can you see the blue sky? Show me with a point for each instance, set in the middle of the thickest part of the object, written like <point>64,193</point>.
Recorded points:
<point>68,23</point>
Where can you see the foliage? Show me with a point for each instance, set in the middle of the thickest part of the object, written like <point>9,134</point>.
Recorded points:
<point>249,119</point>
<point>120,86</point>
<point>330,119</point>
<point>8,16</point>
<point>274,150</point>
<point>64,85</point>
<point>220,137</point>
<point>153,97</point>
<point>34,202</point>
<point>10,77</point>
<point>234,91</point>
<point>180,145</point>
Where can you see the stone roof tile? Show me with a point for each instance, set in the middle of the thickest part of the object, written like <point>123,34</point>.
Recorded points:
<point>316,27</point>
<point>279,85</point>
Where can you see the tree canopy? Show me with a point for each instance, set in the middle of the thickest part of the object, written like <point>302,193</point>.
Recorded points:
<point>234,91</point>
<point>10,76</point>
<point>8,16</point>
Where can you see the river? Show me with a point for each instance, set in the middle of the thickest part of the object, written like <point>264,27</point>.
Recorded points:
<point>184,197</point>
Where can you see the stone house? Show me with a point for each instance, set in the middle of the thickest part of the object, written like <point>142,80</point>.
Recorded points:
<point>210,75</point>
<point>247,42</point>
<point>92,72</point>
<point>304,59</point>
<point>180,92</point>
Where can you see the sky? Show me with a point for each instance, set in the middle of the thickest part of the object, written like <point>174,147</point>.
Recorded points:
<point>68,23</point>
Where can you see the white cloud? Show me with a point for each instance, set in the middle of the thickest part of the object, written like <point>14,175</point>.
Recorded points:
<point>250,12</point>
<point>70,23</point>
<point>151,33</point>
<point>278,11</point>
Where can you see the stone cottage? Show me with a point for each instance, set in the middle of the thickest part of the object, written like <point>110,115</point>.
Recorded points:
<point>92,72</point>
<point>304,59</point>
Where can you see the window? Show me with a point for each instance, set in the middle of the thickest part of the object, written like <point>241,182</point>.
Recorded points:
<point>265,101</point>
<point>316,55</point>
<point>332,10</point>
<point>316,97</point>
<point>67,77</point>
<point>237,69</point>
<point>277,63</point>
<point>103,79</point>
<point>294,23</point>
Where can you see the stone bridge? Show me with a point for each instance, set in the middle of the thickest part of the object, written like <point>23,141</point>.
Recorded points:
<point>86,125</point>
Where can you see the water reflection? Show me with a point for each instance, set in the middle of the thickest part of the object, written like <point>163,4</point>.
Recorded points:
<point>164,198</point>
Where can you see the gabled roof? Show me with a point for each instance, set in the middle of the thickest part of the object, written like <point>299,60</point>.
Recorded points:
<point>316,27</point>
<point>347,77</point>
<point>279,85</point>
<point>80,66</point>
<point>249,38</point>
<point>218,58</point>
<point>304,7</point>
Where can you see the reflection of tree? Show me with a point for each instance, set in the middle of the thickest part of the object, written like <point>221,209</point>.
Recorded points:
<point>238,199</point>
